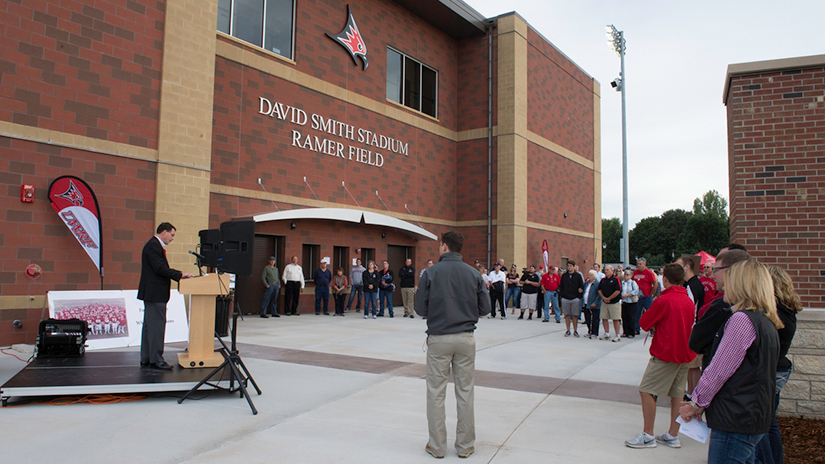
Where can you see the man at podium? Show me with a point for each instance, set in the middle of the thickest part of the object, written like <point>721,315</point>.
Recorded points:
<point>155,284</point>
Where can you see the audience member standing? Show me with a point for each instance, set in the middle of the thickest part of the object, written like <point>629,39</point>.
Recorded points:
<point>708,283</point>
<point>550,284</point>
<point>592,304</point>
<point>610,291</point>
<point>272,288</point>
<point>372,280</point>
<point>406,277</point>
<point>647,287</point>
<point>339,287</point>
<point>513,289</point>
<point>697,293</point>
<point>529,291</point>
<point>497,280</point>
<point>630,298</point>
<point>322,278</point>
<point>293,277</point>
<point>356,281</point>
<point>570,290</point>
<point>385,289</point>
<point>451,296</point>
<point>737,390</point>
<point>670,318</point>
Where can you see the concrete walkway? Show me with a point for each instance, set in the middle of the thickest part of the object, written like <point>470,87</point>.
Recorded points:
<point>349,390</point>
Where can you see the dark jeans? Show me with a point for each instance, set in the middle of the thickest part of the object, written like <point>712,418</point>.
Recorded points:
<point>497,296</point>
<point>370,299</point>
<point>291,294</point>
<point>359,289</point>
<point>629,318</point>
<point>732,448</point>
<point>769,448</point>
<point>321,294</point>
<point>595,319</point>
<point>642,306</point>
<point>270,299</point>
<point>340,304</point>
<point>384,295</point>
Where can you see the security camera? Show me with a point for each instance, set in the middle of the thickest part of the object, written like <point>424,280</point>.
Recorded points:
<point>617,84</point>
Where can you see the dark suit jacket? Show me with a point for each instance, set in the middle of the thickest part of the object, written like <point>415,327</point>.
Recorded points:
<point>155,274</point>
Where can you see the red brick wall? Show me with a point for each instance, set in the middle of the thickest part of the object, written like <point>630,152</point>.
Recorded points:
<point>473,71</point>
<point>82,69</point>
<point>557,186</point>
<point>776,138</point>
<point>573,247</point>
<point>248,145</point>
<point>560,107</point>
<point>33,233</point>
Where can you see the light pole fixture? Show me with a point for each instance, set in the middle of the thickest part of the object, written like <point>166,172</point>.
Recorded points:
<point>616,42</point>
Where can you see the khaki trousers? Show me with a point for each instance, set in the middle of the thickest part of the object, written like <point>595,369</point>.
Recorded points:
<point>443,352</point>
<point>408,295</point>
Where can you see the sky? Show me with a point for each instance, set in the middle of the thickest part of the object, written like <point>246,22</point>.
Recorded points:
<point>675,66</point>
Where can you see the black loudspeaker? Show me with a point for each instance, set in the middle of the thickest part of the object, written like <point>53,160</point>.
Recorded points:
<point>223,306</point>
<point>210,247</point>
<point>62,338</point>
<point>237,243</point>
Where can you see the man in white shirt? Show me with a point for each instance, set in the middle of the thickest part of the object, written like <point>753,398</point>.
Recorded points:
<point>293,276</point>
<point>497,289</point>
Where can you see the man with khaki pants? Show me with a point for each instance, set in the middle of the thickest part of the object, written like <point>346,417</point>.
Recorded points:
<point>407,277</point>
<point>451,296</point>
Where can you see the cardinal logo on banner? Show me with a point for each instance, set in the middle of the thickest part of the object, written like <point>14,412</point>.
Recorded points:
<point>545,254</point>
<point>350,38</point>
<point>76,205</point>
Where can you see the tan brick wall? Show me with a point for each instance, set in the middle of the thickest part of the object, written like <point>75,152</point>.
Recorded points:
<point>511,230</point>
<point>185,138</point>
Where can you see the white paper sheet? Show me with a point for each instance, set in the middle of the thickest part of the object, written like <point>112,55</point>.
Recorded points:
<point>695,429</point>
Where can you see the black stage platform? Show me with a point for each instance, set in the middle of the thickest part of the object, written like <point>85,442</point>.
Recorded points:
<point>103,373</point>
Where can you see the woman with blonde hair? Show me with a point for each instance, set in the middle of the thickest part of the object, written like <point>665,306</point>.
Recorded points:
<point>769,449</point>
<point>738,388</point>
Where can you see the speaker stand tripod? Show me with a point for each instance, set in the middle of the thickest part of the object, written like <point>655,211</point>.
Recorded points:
<point>232,360</point>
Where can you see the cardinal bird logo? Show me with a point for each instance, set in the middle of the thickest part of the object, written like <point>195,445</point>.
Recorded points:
<point>72,194</point>
<point>350,38</point>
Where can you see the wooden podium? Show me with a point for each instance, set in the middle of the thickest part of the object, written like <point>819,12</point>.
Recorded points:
<point>202,291</point>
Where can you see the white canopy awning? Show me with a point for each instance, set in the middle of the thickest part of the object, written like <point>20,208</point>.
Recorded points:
<point>348,215</point>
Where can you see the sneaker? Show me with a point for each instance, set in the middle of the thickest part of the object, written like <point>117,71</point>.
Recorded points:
<point>503,317</point>
<point>530,317</point>
<point>545,320</point>
<point>594,337</point>
<point>467,453</point>
<point>366,317</point>
<point>642,440</point>
<point>432,453</point>
<point>671,442</point>
<point>605,337</point>
<point>567,334</point>
<point>617,339</point>
<point>558,321</point>
<point>576,334</point>
<point>373,316</point>
<point>391,316</point>
<point>521,317</point>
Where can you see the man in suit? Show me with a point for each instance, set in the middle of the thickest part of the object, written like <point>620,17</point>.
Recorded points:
<point>155,283</point>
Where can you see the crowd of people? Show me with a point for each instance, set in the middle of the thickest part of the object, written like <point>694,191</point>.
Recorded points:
<point>720,336</point>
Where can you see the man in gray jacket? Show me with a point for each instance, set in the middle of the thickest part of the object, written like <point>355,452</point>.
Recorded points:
<point>451,296</point>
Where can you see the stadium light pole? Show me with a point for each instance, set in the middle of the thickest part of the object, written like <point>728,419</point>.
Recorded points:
<point>616,42</point>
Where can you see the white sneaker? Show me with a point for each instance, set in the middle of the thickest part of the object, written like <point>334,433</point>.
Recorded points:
<point>605,337</point>
<point>671,442</point>
<point>366,317</point>
<point>617,339</point>
<point>373,316</point>
<point>642,440</point>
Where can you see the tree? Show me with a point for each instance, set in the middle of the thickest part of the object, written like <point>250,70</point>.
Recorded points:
<point>711,203</point>
<point>644,237</point>
<point>611,233</point>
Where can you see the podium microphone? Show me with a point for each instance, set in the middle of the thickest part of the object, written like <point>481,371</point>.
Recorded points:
<point>197,255</point>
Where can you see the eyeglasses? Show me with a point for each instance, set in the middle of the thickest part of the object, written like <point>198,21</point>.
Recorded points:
<point>720,268</point>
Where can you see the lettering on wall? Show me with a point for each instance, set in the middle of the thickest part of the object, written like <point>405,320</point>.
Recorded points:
<point>320,142</point>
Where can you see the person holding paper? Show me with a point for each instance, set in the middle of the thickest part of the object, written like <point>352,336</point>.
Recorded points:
<point>671,317</point>
<point>737,396</point>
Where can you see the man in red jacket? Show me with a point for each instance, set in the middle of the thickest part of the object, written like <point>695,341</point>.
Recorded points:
<point>670,319</point>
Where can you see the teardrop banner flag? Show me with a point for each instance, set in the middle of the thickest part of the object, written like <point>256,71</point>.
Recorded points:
<point>76,205</point>
<point>545,254</point>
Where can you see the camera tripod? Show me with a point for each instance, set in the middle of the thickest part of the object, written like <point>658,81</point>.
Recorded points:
<point>232,360</point>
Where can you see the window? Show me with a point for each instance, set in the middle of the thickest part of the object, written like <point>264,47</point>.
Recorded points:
<point>367,255</point>
<point>263,23</point>
<point>340,258</point>
<point>311,260</point>
<point>411,83</point>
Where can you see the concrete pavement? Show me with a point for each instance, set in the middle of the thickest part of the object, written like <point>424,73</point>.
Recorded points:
<point>352,390</point>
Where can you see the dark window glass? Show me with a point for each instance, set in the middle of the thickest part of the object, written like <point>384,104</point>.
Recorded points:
<point>428,91</point>
<point>311,260</point>
<point>278,27</point>
<point>412,83</point>
<point>395,65</point>
<point>224,14</point>
<point>367,255</point>
<point>247,22</point>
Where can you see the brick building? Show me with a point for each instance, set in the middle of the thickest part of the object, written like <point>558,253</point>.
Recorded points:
<point>776,162</point>
<point>173,110</point>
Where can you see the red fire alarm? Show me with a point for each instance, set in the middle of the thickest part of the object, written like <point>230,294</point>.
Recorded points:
<point>27,193</point>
